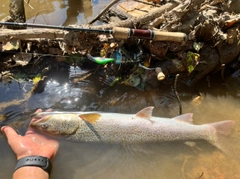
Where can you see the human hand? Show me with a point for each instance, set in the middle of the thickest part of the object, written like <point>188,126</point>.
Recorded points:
<point>32,143</point>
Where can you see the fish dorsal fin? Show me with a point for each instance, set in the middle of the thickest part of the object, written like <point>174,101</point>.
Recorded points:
<point>184,118</point>
<point>145,113</point>
<point>91,117</point>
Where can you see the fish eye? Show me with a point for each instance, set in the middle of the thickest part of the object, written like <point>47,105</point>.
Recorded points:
<point>44,126</point>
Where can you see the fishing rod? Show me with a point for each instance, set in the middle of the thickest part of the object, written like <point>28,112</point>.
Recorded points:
<point>117,32</point>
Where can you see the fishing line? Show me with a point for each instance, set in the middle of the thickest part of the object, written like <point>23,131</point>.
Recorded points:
<point>35,54</point>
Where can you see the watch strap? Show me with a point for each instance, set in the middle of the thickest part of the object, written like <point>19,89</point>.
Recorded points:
<point>38,161</point>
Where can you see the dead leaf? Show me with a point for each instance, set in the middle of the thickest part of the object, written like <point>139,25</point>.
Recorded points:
<point>22,59</point>
<point>12,45</point>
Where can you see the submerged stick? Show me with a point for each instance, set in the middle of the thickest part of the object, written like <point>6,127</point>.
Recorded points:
<point>28,4</point>
<point>17,11</point>
<point>103,11</point>
<point>176,93</point>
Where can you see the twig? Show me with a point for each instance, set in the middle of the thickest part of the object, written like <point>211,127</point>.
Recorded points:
<point>148,3</point>
<point>176,93</point>
<point>103,11</point>
<point>28,4</point>
<point>42,15</point>
<point>222,72</point>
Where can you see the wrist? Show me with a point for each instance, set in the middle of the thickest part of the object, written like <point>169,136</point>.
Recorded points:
<point>30,172</point>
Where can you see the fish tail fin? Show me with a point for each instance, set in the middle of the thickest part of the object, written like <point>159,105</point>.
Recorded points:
<point>220,132</point>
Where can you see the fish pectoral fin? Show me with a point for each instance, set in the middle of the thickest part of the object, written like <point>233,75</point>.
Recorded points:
<point>91,117</point>
<point>145,113</point>
<point>184,118</point>
<point>190,143</point>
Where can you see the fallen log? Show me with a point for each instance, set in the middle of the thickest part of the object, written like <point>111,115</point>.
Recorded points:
<point>51,34</point>
<point>139,21</point>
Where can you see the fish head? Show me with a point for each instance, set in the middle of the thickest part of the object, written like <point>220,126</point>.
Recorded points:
<point>56,125</point>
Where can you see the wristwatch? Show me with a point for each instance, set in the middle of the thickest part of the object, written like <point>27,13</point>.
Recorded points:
<point>37,161</point>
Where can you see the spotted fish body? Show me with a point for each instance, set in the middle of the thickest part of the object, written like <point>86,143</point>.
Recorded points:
<point>129,128</point>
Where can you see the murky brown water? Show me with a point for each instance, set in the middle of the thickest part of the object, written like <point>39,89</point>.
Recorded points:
<point>59,12</point>
<point>87,161</point>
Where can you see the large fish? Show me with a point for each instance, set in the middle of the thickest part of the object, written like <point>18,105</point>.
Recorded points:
<point>141,127</point>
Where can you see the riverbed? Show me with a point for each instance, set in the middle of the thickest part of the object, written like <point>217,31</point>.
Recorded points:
<point>218,101</point>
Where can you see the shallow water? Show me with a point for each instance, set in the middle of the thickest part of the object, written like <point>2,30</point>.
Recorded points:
<point>164,160</point>
<point>87,161</point>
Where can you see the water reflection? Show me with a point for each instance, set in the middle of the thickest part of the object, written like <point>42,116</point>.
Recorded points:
<point>58,12</point>
<point>76,8</point>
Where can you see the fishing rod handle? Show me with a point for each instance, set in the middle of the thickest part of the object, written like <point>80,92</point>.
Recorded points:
<point>125,33</point>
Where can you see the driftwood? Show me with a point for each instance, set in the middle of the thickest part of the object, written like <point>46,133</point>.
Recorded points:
<point>51,34</point>
<point>154,23</point>
<point>138,22</point>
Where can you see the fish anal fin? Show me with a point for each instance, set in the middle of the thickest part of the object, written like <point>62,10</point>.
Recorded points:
<point>184,118</point>
<point>145,113</point>
<point>91,117</point>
